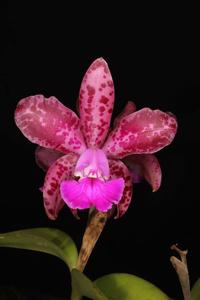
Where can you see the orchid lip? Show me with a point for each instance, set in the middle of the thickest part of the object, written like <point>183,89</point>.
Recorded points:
<point>101,195</point>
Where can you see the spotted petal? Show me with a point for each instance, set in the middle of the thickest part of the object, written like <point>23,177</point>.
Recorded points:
<point>147,166</point>
<point>60,170</point>
<point>46,157</point>
<point>90,192</point>
<point>119,169</point>
<point>144,131</point>
<point>48,123</point>
<point>96,101</point>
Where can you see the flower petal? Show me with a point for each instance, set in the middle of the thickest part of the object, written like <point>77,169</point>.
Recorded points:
<point>119,169</point>
<point>90,192</point>
<point>144,131</point>
<point>46,157</point>
<point>48,123</point>
<point>148,166</point>
<point>60,170</point>
<point>128,109</point>
<point>96,101</point>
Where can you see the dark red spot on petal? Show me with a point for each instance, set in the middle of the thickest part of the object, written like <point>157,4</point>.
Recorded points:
<point>110,83</point>
<point>104,99</point>
<point>99,63</point>
<point>91,90</point>
<point>87,110</point>
<point>20,107</point>
<point>101,108</point>
<point>50,192</point>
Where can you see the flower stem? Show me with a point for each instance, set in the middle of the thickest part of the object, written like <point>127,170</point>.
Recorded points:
<point>95,225</point>
<point>180,266</point>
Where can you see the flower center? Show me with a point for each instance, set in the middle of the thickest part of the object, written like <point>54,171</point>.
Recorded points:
<point>93,188</point>
<point>93,164</point>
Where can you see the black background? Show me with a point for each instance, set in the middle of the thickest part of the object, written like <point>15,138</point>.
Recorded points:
<point>153,55</point>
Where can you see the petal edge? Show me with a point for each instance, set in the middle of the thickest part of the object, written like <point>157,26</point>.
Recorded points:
<point>59,171</point>
<point>149,168</point>
<point>45,157</point>
<point>119,169</point>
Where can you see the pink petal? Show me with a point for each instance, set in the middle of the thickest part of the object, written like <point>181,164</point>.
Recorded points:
<point>149,168</point>
<point>128,109</point>
<point>108,193</point>
<point>48,123</point>
<point>92,163</point>
<point>119,169</point>
<point>144,131</point>
<point>90,192</point>
<point>96,101</point>
<point>46,157</point>
<point>74,194</point>
<point>60,170</point>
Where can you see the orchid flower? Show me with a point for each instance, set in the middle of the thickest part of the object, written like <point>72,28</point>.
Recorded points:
<point>85,161</point>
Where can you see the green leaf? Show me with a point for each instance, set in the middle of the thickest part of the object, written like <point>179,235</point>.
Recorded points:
<point>114,287</point>
<point>47,240</point>
<point>83,286</point>
<point>195,292</point>
<point>128,287</point>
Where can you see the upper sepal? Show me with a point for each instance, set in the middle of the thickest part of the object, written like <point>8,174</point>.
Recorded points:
<point>96,100</point>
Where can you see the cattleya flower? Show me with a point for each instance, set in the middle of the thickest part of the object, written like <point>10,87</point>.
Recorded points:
<point>86,163</point>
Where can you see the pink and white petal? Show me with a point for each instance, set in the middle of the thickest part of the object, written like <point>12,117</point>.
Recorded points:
<point>46,157</point>
<point>48,123</point>
<point>60,170</point>
<point>96,100</point>
<point>128,109</point>
<point>119,169</point>
<point>142,132</point>
<point>149,166</point>
<point>92,163</point>
<point>90,192</point>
